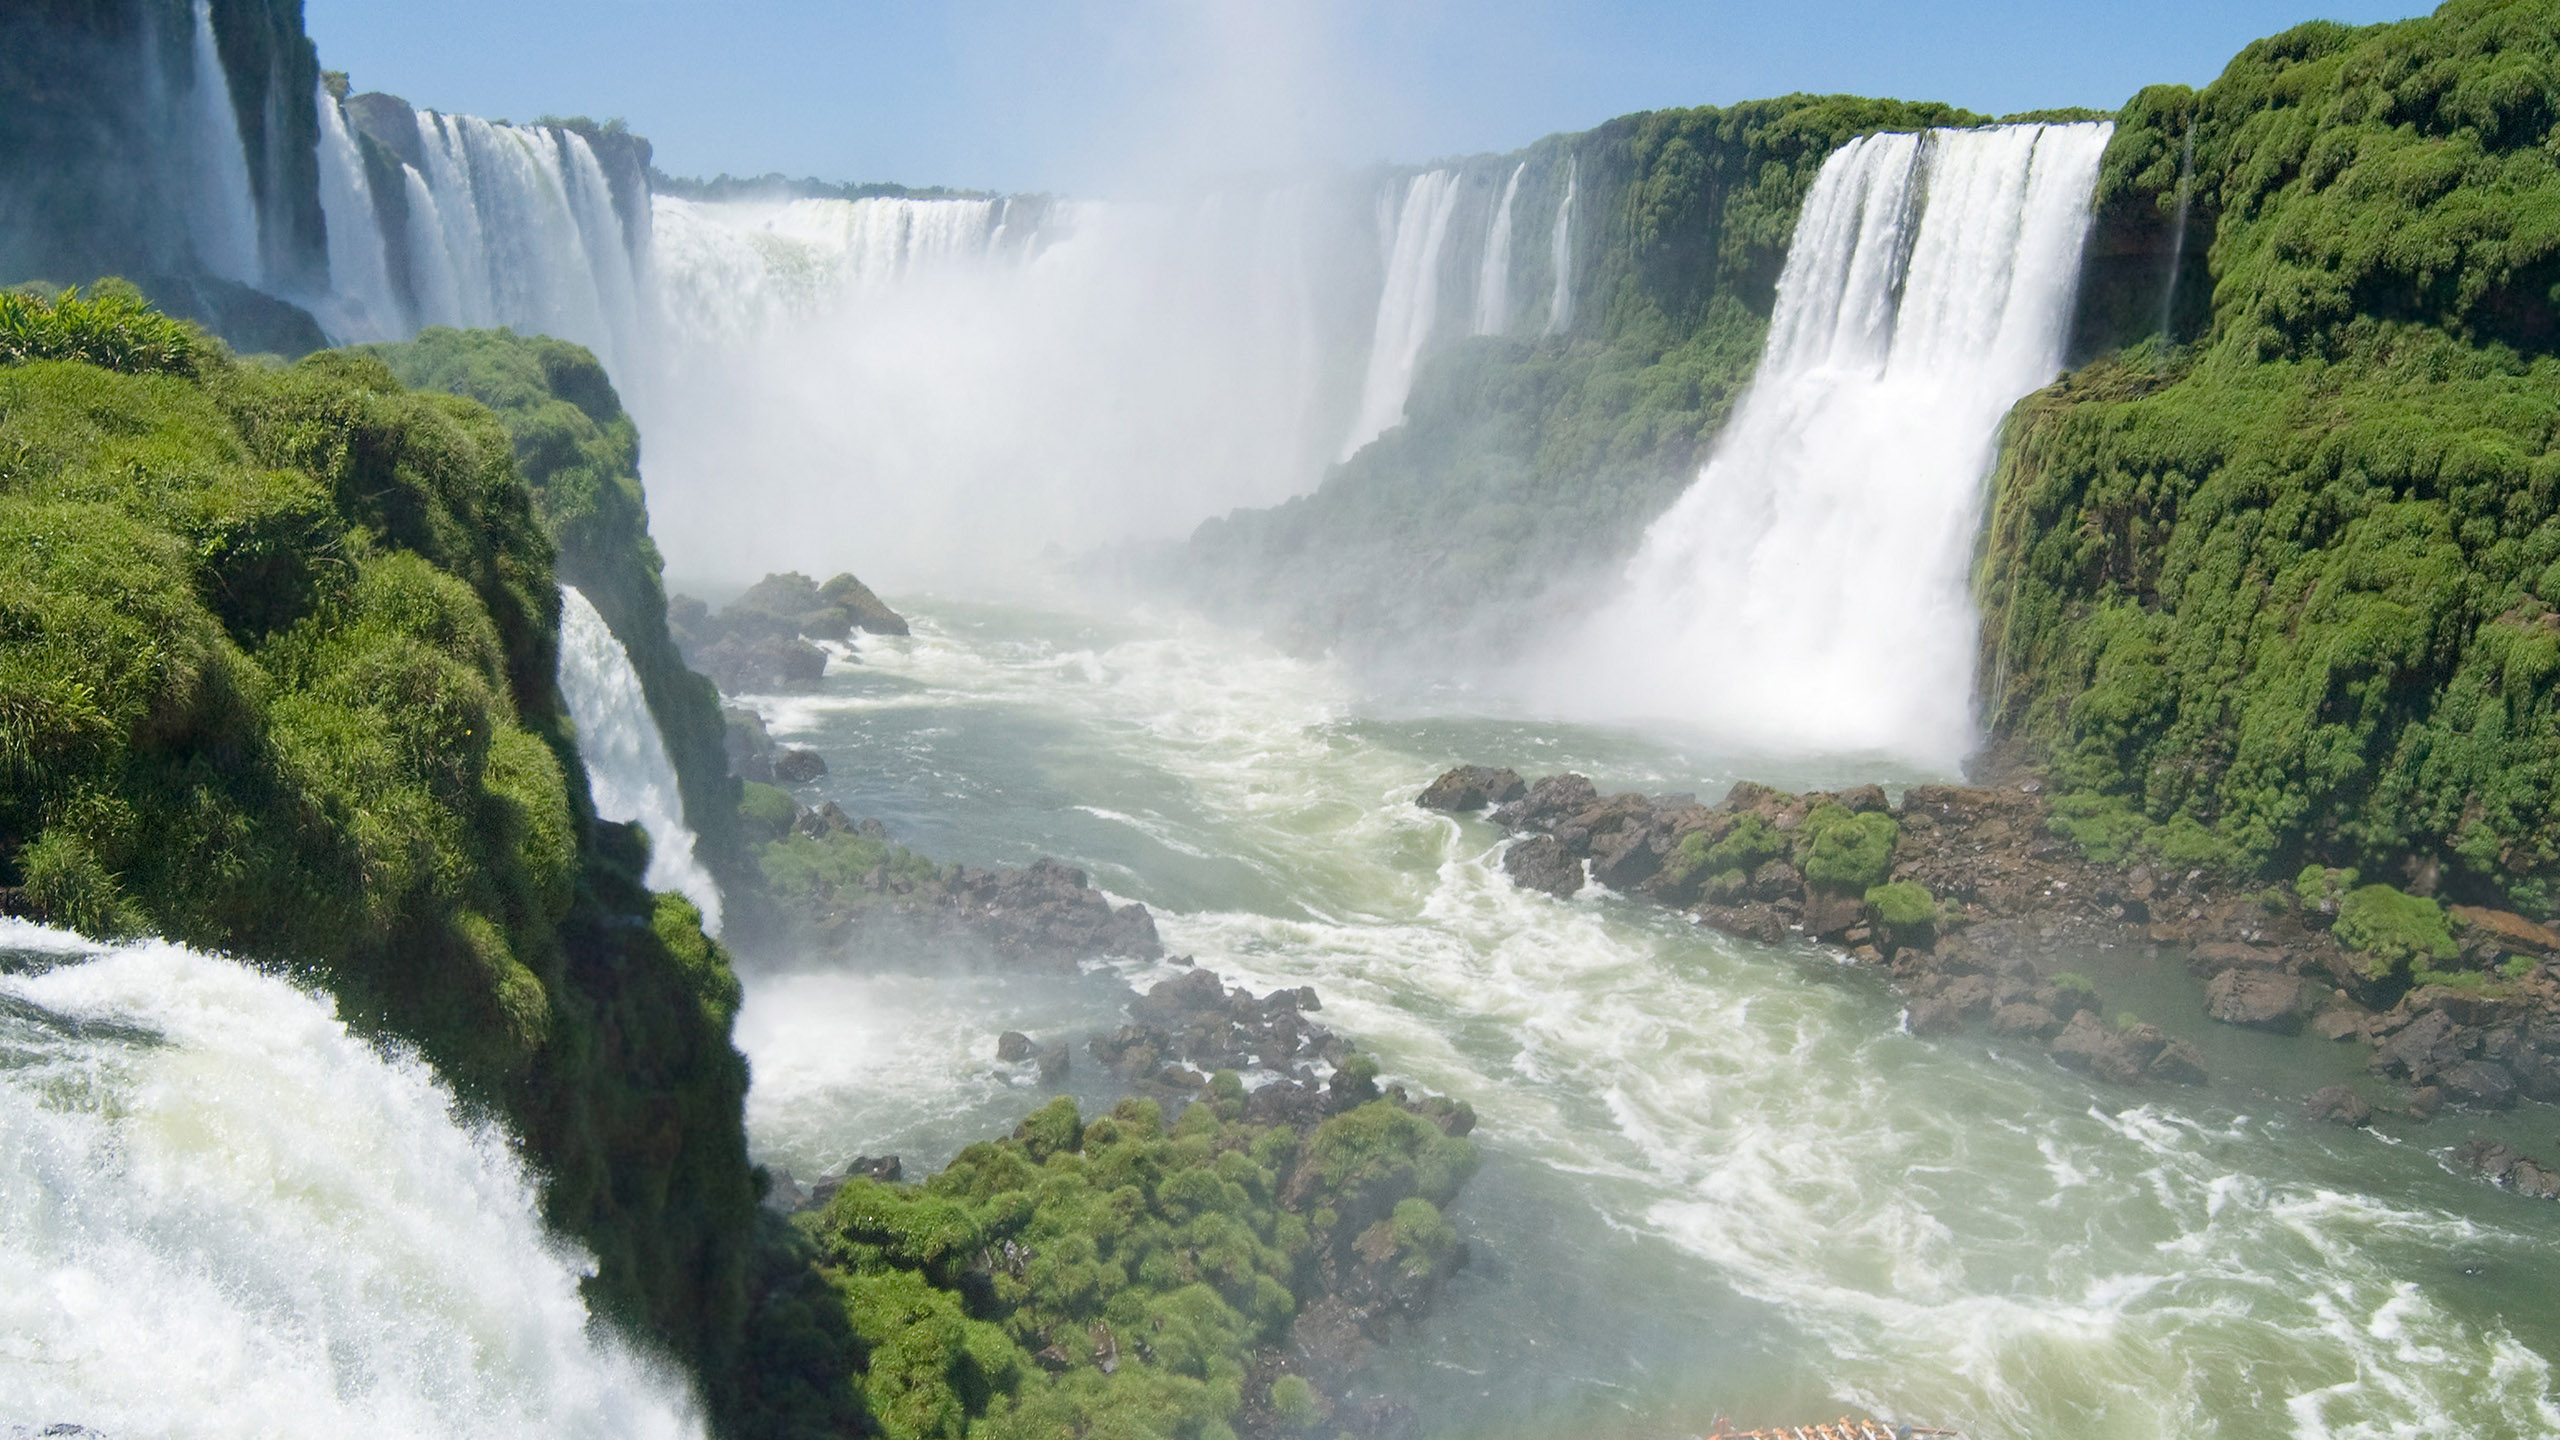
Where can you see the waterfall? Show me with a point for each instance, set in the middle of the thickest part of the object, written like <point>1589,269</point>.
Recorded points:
<point>2178,233</point>
<point>1560,250</point>
<point>1808,592</point>
<point>515,225</point>
<point>359,269</point>
<point>1493,277</point>
<point>223,220</point>
<point>727,273</point>
<point>627,765</point>
<point>222,1214</point>
<point>1408,306</point>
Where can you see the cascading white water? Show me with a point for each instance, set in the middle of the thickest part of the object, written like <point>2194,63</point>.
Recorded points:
<point>627,765</point>
<point>366,306</point>
<point>1493,277</point>
<point>1408,307</point>
<point>919,390</point>
<point>1560,253</point>
<point>515,225</point>
<point>1807,594</point>
<point>223,220</point>
<point>223,1215</point>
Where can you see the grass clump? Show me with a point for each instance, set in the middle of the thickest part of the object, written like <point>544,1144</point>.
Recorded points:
<point>1846,853</point>
<point>2393,930</point>
<point>1907,913</point>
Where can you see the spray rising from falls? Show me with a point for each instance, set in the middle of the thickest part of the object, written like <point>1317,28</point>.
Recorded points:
<point>627,765</point>
<point>223,1215</point>
<point>1808,593</point>
<point>1408,307</point>
<point>1493,277</point>
<point>924,390</point>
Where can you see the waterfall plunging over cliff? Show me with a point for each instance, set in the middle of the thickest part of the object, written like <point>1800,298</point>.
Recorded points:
<point>223,221</point>
<point>365,306</point>
<point>627,765</point>
<point>1493,276</point>
<point>1560,253</point>
<point>222,1214</point>
<point>1808,592</point>
<point>1408,306</point>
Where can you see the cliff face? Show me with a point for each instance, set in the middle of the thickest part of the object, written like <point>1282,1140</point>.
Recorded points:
<point>99,156</point>
<point>1526,463</point>
<point>279,681</point>
<point>2290,593</point>
<point>579,454</point>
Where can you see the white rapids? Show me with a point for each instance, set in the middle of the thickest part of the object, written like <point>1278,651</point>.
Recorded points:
<point>222,1215</point>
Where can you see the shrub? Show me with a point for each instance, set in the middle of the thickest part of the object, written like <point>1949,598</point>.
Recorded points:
<point>1846,853</point>
<point>2395,929</point>
<point>1906,912</point>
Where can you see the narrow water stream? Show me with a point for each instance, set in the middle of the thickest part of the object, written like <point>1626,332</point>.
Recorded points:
<point>1720,1177</point>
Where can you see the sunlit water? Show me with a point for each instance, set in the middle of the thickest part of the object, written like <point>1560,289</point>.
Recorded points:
<point>1719,1177</point>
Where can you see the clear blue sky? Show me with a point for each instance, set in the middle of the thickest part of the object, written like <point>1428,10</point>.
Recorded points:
<point>1090,97</point>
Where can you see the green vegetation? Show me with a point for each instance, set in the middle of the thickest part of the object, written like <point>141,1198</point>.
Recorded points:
<point>1845,853</point>
<point>1905,912</point>
<point>2291,594</point>
<point>278,680</point>
<point>2393,929</point>
<point>578,452</point>
<point>1117,1277</point>
<point>1525,462</point>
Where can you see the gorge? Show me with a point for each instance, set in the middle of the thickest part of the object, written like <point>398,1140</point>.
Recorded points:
<point>2058,614</point>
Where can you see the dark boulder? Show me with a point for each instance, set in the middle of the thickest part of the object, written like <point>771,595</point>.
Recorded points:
<point>2337,1105</point>
<point>798,767</point>
<point>2422,1049</point>
<point>1540,863</point>
<point>749,746</point>
<point>2504,1166</point>
<point>1550,802</point>
<point>2479,1084</point>
<point>1470,788</point>
<point>864,608</point>
<point>1013,1047</point>
<point>2258,999</point>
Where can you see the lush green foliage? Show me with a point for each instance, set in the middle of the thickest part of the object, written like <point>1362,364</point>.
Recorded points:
<point>579,454</point>
<point>1527,462</point>
<point>1906,912</point>
<point>112,329</point>
<point>2292,594</point>
<point>1845,853</point>
<point>2393,928</point>
<point>276,677</point>
<point>1117,1277</point>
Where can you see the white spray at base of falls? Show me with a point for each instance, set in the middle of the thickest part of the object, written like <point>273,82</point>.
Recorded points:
<point>1493,277</point>
<point>1408,307</point>
<point>222,1215</point>
<point>936,392</point>
<point>1808,593</point>
<point>627,765</point>
<point>223,221</point>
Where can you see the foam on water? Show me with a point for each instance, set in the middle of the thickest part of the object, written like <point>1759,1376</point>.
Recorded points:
<point>1952,1230</point>
<point>223,1215</point>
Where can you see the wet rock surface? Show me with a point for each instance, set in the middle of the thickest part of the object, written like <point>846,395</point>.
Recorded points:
<point>761,642</point>
<point>1046,912</point>
<point>1995,891</point>
<point>2502,1165</point>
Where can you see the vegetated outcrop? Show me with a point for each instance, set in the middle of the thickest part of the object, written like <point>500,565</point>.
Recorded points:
<point>759,643</point>
<point>279,680</point>
<point>1204,1259</point>
<point>578,453</point>
<point>1962,895</point>
<point>1530,462</point>
<point>2284,590</point>
<point>839,885</point>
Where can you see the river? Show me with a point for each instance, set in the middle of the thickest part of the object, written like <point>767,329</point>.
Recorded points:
<point>1720,1178</point>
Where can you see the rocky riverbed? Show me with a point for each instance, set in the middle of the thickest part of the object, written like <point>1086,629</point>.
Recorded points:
<point>1962,894</point>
